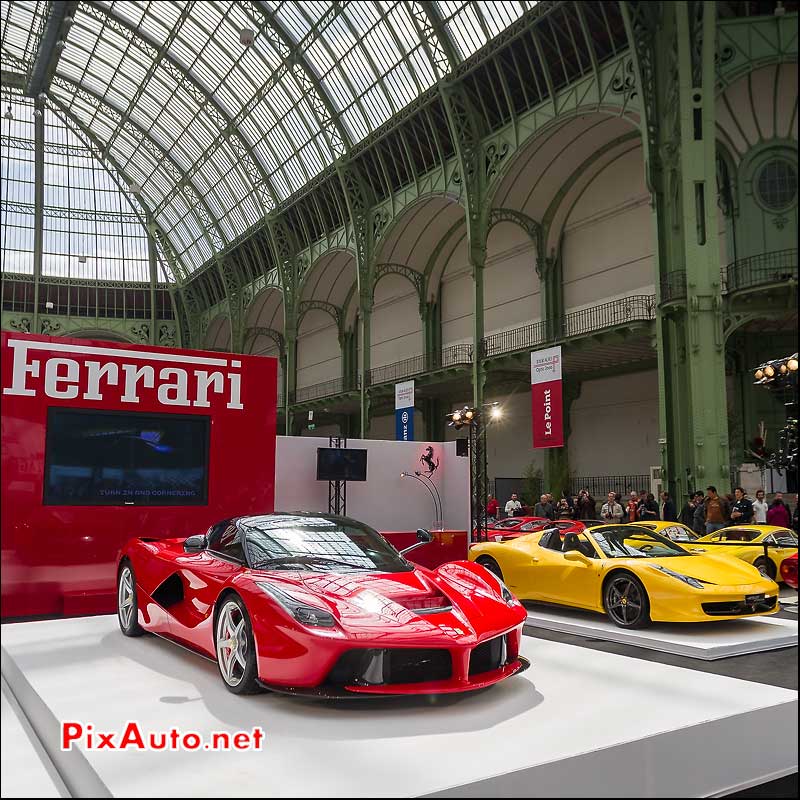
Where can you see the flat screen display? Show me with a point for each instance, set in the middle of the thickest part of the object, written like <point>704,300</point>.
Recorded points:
<point>119,458</point>
<point>341,464</point>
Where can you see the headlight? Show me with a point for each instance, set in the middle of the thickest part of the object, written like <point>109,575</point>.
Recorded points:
<point>304,613</point>
<point>505,592</point>
<point>685,578</point>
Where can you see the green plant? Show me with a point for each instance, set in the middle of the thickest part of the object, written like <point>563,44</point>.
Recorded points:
<point>531,484</point>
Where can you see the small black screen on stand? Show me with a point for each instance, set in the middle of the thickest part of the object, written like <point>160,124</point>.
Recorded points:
<point>119,458</point>
<point>341,464</point>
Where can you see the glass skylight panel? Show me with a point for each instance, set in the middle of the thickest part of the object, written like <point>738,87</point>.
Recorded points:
<point>20,27</point>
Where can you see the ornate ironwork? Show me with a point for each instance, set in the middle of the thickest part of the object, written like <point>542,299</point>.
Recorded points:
<point>763,269</point>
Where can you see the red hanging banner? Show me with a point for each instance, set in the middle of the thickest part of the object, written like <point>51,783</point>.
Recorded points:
<point>546,405</point>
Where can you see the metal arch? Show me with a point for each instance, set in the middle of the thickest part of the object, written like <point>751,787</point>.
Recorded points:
<point>321,305</point>
<point>204,99</point>
<point>416,278</point>
<point>270,81</point>
<point>341,142</point>
<point>528,224</point>
<point>206,224</point>
<point>434,31</point>
<point>257,330</point>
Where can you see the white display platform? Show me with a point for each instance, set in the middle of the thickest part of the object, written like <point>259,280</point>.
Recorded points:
<point>707,641</point>
<point>577,723</point>
<point>23,763</point>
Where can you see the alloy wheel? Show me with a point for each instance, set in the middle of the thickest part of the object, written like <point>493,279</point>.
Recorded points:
<point>232,643</point>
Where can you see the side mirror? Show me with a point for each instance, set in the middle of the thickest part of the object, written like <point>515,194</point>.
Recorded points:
<point>575,555</point>
<point>195,544</point>
<point>424,536</point>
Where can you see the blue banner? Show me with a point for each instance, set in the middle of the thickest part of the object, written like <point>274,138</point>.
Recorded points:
<point>404,424</point>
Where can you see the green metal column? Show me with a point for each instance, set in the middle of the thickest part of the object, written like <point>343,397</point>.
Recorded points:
<point>38,209</point>
<point>364,329</point>
<point>477,262</point>
<point>675,56</point>
<point>152,256</point>
<point>290,369</point>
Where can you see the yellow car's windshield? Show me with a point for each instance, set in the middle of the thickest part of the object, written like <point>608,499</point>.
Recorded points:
<point>631,541</point>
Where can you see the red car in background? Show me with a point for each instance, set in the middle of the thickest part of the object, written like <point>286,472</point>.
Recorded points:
<point>789,571</point>
<point>505,530</point>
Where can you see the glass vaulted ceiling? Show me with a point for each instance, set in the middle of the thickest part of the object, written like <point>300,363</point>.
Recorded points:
<point>217,133</point>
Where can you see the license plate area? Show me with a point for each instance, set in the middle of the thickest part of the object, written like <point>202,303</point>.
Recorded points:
<point>754,598</point>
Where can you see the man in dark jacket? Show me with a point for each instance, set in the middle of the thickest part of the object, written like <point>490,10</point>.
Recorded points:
<point>713,512</point>
<point>668,512</point>
<point>742,508</point>
<point>687,512</point>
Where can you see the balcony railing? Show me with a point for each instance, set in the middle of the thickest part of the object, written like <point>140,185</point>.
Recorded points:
<point>317,391</point>
<point>764,269</point>
<point>455,355</point>
<point>638,308</point>
<point>525,338</point>
<point>673,286</point>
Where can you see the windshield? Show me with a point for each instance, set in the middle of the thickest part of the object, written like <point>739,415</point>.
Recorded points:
<point>631,541</point>
<point>317,544</point>
<point>676,532</point>
<point>509,522</point>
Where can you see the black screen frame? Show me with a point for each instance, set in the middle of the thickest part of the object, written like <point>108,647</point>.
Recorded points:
<point>321,450</point>
<point>204,419</point>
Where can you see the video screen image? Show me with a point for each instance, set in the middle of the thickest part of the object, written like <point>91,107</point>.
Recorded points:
<point>341,464</point>
<point>120,459</point>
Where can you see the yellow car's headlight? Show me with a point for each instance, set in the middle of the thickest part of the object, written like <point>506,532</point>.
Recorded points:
<point>685,578</point>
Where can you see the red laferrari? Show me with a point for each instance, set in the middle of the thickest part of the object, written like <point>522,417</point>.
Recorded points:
<point>789,570</point>
<point>321,606</point>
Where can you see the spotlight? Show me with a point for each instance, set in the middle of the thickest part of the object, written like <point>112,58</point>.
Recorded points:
<point>9,113</point>
<point>60,44</point>
<point>247,36</point>
<point>783,369</point>
<point>759,374</point>
<point>469,413</point>
<point>792,364</point>
<point>49,305</point>
<point>769,371</point>
<point>456,416</point>
<point>496,412</point>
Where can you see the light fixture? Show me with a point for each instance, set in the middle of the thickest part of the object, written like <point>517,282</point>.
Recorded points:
<point>49,305</point>
<point>780,9</point>
<point>456,416</point>
<point>67,22</point>
<point>37,113</point>
<point>42,97</point>
<point>769,371</point>
<point>81,259</point>
<point>792,364</point>
<point>496,412</point>
<point>60,44</point>
<point>247,36</point>
<point>759,374</point>
<point>9,113</point>
<point>783,369</point>
<point>469,413</point>
<point>134,188</point>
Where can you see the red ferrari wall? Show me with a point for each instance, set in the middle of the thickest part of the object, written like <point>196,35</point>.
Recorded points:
<point>61,559</point>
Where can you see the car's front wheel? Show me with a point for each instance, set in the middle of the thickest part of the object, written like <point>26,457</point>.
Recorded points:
<point>765,567</point>
<point>236,652</point>
<point>626,601</point>
<point>127,605</point>
<point>487,562</point>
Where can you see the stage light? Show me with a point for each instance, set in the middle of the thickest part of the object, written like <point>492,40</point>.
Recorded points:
<point>792,364</point>
<point>769,371</point>
<point>759,374</point>
<point>783,369</point>
<point>469,413</point>
<point>496,412</point>
<point>456,416</point>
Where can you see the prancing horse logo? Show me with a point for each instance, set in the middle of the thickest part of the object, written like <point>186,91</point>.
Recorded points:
<point>427,459</point>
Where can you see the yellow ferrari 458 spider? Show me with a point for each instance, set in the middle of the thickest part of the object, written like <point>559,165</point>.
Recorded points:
<point>782,543</point>
<point>631,573</point>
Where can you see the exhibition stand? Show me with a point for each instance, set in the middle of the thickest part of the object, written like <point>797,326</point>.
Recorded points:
<point>609,726</point>
<point>707,641</point>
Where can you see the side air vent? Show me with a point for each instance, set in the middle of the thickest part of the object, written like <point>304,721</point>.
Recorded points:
<point>170,592</point>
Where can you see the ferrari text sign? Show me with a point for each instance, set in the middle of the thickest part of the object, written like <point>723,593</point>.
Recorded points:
<point>548,423</point>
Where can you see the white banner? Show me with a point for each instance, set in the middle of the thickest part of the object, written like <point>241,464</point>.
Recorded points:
<point>404,395</point>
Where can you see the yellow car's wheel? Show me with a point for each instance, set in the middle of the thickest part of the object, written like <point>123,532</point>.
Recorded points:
<point>625,600</point>
<point>765,567</point>
<point>487,562</point>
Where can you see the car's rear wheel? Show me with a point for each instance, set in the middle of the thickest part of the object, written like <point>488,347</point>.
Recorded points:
<point>487,562</point>
<point>626,602</point>
<point>127,605</point>
<point>236,652</point>
<point>765,567</point>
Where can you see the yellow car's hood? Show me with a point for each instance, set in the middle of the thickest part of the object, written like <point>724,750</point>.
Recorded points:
<point>711,569</point>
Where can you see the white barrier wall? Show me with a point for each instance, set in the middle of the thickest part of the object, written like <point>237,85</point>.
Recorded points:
<point>385,501</point>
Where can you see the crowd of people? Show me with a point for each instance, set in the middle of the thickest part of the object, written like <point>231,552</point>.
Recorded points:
<point>703,513</point>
